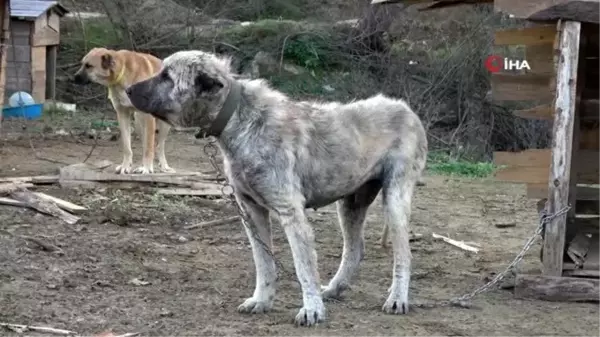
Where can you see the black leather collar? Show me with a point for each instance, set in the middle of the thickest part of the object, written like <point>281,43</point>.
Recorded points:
<point>230,105</point>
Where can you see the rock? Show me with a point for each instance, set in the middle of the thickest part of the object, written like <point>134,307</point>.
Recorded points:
<point>265,64</point>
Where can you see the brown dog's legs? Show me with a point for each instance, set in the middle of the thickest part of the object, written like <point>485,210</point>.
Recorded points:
<point>124,119</point>
<point>147,126</point>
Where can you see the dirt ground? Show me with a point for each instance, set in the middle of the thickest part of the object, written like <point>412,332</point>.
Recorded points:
<point>197,278</point>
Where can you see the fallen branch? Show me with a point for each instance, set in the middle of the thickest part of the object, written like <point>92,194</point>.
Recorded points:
<point>43,206</point>
<point>459,244</point>
<point>19,328</point>
<point>214,222</point>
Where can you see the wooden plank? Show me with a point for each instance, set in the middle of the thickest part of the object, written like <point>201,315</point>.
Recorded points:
<point>4,37</point>
<point>581,11</point>
<point>562,146</point>
<point>38,68</point>
<point>38,180</point>
<point>540,112</point>
<point>521,87</point>
<point>521,9</point>
<point>550,10</point>
<point>11,202</point>
<point>541,59</point>
<point>540,190</point>
<point>590,136</point>
<point>214,190</point>
<point>18,53</point>
<point>43,206</point>
<point>51,72</point>
<point>533,166</point>
<point>556,288</point>
<point>590,111</point>
<point>529,36</point>
<point>528,158</point>
<point>66,205</point>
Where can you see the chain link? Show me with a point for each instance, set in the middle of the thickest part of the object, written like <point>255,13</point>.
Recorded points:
<point>228,192</point>
<point>462,301</point>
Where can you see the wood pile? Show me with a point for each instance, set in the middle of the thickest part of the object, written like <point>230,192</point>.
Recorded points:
<point>17,191</point>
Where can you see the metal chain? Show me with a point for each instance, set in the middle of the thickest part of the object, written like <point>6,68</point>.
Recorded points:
<point>464,300</point>
<point>228,192</point>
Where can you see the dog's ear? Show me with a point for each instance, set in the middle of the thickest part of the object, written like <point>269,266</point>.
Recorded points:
<point>204,83</point>
<point>107,61</point>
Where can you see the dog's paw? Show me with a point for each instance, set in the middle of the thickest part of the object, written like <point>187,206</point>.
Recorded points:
<point>143,170</point>
<point>254,306</point>
<point>123,169</point>
<point>333,292</point>
<point>312,313</point>
<point>395,306</point>
<point>165,169</point>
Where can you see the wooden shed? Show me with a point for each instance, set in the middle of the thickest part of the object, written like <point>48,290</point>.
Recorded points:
<point>32,48</point>
<point>562,47</point>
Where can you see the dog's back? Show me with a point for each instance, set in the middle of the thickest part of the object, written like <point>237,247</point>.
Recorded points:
<point>141,65</point>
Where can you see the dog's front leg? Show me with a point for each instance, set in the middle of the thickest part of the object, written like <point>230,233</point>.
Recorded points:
<point>147,125</point>
<point>301,239</point>
<point>124,119</point>
<point>259,234</point>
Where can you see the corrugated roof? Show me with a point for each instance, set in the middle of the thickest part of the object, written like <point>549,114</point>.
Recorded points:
<point>31,9</point>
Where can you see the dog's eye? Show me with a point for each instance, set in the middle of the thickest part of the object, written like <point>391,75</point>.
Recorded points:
<point>164,75</point>
<point>87,65</point>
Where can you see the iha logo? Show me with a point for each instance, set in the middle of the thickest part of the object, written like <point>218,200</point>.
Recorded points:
<point>495,63</point>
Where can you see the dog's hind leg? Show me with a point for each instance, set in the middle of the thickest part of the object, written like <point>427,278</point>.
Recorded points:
<point>147,125</point>
<point>352,211</point>
<point>302,243</point>
<point>398,185</point>
<point>124,119</point>
<point>259,234</point>
<point>163,132</point>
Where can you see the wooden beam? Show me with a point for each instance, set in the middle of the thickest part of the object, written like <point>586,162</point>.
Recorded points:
<point>540,190</point>
<point>533,166</point>
<point>540,58</point>
<point>521,87</point>
<point>562,146</point>
<point>550,10</point>
<point>529,36</point>
<point>557,288</point>
<point>38,73</point>
<point>4,37</point>
<point>582,11</point>
<point>588,111</point>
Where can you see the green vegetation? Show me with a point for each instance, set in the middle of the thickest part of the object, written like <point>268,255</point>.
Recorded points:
<point>444,164</point>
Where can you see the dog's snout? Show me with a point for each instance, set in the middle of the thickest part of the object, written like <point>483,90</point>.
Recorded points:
<point>128,91</point>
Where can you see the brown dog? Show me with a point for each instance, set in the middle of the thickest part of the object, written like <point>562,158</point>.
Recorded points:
<point>117,70</point>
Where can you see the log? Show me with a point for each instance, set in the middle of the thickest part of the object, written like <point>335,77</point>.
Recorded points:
<point>67,206</point>
<point>556,288</point>
<point>562,147</point>
<point>44,206</point>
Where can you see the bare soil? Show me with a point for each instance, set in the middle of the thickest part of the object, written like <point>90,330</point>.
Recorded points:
<point>197,278</point>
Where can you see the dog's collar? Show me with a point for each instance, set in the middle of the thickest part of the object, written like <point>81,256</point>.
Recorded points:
<point>119,78</point>
<point>229,107</point>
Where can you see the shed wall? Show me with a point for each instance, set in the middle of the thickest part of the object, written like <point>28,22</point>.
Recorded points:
<point>18,65</point>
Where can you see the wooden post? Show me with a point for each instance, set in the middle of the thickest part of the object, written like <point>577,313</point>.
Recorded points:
<point>4,37</point>
<point>51,72</point>
<point>562,145</point>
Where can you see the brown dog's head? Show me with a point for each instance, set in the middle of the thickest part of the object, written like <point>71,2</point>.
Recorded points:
<point>99,66</point>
